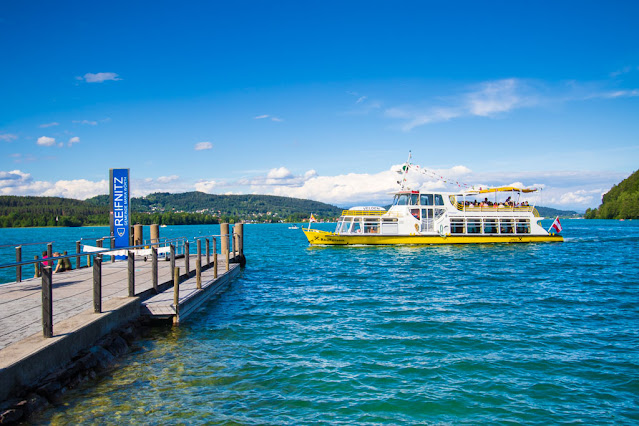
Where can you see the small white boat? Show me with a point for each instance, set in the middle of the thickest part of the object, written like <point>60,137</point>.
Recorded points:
<point>293,227</point>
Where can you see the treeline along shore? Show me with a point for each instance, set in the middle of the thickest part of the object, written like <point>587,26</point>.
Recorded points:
<point>190,208</point>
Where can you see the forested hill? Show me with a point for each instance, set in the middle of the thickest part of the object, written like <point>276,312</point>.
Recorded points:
<point>621,202</point>
<point>161,208</point>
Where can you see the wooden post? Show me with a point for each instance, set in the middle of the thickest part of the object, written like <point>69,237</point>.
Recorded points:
<point>112,244</point>
<point>138,234</point>
<point>47,302</point>
<point>226,267</point>
<point>154,268</point>
<point>198,273</point>
<point>36,267</point>
<point>97,284</point>
<point>99,243</point>
<point>18,260</point>
<point>131,275</point>
<point>214,257</point>
<point>172,253</point>
<point>224,237</point>
<point>176,288</point>
<point>186,259</point>
<point>155,233</point>
<point>50,254</point>
<point>199,251</point>
<point>208,250</point>
<point>77,258</point>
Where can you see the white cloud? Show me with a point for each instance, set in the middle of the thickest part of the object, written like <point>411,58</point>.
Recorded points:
<point>495,97</point>
<point>206,186</point>
<point>16,182</point>
<point>100,77</point>
<point>200,146</point>
<point>8,137</point>
<point>263,116</point>
<point>88,122</point>
<point>73,140</point>
<point>44,126</point>
<point>46,141</point>
<point>166,179</point>
<point>281,173</point>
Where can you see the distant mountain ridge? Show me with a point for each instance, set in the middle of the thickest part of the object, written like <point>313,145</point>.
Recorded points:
<point>162,208</point>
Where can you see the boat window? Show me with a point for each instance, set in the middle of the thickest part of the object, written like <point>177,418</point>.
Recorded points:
<point>357,227</point>
<point>523,226</point>
<point>439,201</point>
<point>457,226</point>
<point>415,213</point>
<point>439,213</point>
<point>426,199</point>
<point>427,220</point>
<point>414,199</point>
<point>490,226</point>
<point>506,226</point>
<point>473,226</point>
<point>401,200</point>
<point>371,226</point>
<point>346,226</point>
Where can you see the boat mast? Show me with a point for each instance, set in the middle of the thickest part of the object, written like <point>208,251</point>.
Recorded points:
<point>406,166</point>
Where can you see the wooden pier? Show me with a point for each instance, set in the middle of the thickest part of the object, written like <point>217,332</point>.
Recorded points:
<point>44,321</point>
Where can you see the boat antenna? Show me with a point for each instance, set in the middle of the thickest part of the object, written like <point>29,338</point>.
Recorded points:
<point>405,169</point>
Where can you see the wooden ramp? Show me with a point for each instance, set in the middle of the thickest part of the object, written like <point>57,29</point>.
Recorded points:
<point>162,306</point>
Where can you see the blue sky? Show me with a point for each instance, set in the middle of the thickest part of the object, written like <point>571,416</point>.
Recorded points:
<point>318,100</point>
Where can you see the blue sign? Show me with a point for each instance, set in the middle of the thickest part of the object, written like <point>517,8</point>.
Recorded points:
<point>120,206</point>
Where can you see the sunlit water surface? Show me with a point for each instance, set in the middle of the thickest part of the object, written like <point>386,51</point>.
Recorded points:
<point>525,333</point>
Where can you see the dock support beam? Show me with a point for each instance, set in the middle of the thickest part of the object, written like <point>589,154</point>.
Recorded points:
<point>47,302</point>
<point>154,268</point>
<point>131,275</point>
<point>97,284</point>
<point>18,260</point>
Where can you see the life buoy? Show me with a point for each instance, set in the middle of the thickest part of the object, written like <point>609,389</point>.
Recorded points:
<point>416,227</point>
<point>441,229</point>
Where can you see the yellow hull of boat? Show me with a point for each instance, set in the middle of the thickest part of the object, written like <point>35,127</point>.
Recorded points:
<point>318,237</point>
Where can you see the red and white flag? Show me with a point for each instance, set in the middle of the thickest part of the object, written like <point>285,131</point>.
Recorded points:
<point>556,225</point>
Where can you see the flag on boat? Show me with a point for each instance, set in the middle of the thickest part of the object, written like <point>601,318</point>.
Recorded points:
<point>556,225</point>
<point>312,218</point>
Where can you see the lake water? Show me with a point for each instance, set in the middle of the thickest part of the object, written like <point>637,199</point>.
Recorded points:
<point>525,333</point>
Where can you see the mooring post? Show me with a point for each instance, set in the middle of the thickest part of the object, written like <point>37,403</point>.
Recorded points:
<point>131,275</point>
<point>154,229</point>
<point>187,258</point>
<point>199,250</point>
<point>99,242</point>
<point>226,267</point>
<point>176,288</point>
<point>47,302</point>
<point>172,253</point>
<point>208,249</point>
<point>77,258</point>
<point>239,230</point>
<point>214,257</point>
<point>18,260</point>
<point>97,284</point>
<point>154,268</point>
<point>36,266</point>
<point>198,273</point>
<point>49,254</point>
<point>224,237</point>
<point>112,244</point>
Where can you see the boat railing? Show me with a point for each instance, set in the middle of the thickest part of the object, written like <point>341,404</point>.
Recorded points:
<point>363,212</point>
<point>495,208</point>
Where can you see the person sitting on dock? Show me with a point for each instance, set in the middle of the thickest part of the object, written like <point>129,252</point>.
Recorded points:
<point>60,266</point>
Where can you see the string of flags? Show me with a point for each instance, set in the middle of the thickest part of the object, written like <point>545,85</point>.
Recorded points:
<point>430,173</point>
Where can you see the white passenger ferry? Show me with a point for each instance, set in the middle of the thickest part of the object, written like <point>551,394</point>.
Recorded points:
<point>440,218</point>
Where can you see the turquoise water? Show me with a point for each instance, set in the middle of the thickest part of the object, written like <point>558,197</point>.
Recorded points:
<point>527,333</point>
